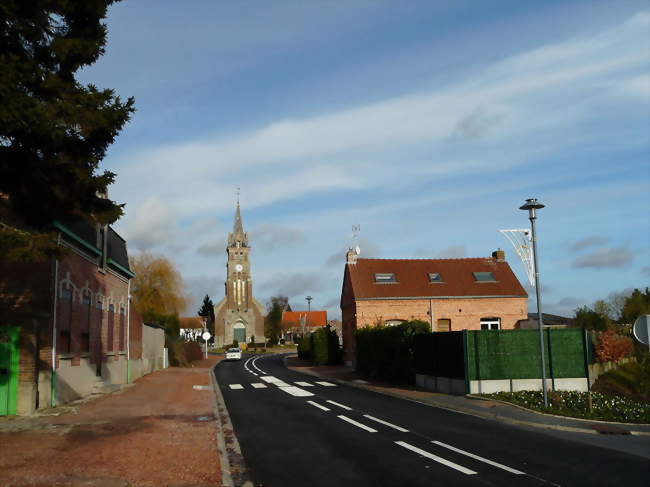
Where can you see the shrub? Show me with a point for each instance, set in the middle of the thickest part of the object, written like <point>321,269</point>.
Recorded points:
<point>386,353</point>
<point>304,348</point>
<point>182,353</point>
<point>612,347</point>
<point>630,380</point>
<point>324,347</point>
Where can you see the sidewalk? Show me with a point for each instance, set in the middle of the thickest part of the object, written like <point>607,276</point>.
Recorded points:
<point>160,431</point>
<point>479,407</point>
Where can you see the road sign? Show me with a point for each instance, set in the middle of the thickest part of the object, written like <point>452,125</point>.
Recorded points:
<point>206,335</point>
<point>642,328</point>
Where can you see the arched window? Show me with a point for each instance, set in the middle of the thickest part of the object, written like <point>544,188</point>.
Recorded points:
<point>490,323</point>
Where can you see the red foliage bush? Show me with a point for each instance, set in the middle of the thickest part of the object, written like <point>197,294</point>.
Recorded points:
<point>612,347</point>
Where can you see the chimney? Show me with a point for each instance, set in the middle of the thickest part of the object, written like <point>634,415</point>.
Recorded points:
<point>499,255</point>
<point>351,256</point>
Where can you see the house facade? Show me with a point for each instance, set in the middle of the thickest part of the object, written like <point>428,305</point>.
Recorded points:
<point>66,325</point>
<point>449,294</point>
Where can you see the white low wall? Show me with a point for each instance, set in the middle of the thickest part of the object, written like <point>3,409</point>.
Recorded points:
<point>448,385</point>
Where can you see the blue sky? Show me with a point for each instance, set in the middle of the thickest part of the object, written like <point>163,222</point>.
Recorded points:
<point>426,123</point>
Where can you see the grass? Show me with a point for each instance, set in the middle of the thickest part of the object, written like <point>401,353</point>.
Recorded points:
<point>576,405</point>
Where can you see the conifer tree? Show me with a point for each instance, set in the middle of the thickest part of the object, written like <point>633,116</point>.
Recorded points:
<point>54,131</point>
<point>207,311</point>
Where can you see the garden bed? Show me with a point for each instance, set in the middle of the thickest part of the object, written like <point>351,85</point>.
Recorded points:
<point>575,404</point>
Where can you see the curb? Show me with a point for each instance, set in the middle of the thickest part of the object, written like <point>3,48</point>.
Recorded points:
<point>467,412</point>
<point>233,467</point>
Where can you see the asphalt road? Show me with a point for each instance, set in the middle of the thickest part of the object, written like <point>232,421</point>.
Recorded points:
<point>296,430</point>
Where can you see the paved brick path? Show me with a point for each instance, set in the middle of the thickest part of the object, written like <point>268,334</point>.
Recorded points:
<point>146,435</point>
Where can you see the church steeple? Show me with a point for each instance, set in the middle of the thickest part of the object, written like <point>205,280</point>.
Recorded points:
<point>238,234</point>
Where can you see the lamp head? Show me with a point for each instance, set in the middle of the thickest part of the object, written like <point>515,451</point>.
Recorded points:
<point>531,205</point>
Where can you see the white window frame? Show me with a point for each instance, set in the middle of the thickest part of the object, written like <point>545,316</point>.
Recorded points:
<point>490,323</point>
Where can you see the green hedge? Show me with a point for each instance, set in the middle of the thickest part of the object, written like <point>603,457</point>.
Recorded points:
<point>440,354</point>
<point>304,348</point>
<point>321,347</point>
<point>386,353</point>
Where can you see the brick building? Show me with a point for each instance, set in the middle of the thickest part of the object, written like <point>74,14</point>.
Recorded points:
<point>293,322</point>
<point>75,332</point>
<point>450,294</point>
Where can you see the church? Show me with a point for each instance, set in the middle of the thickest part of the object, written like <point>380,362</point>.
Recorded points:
<point>238,316</point>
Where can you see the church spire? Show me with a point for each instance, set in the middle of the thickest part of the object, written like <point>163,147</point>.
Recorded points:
<point>238,228</point>
<point>238,234</point>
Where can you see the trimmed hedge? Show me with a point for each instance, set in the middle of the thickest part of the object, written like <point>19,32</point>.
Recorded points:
<point>387,353</point>
<point>181,353</point>
<point>304,348</point>
<point>321,347</point>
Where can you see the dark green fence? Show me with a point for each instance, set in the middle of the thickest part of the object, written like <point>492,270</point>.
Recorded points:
<point>503,354</point>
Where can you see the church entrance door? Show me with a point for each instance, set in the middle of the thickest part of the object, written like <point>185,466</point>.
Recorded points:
<point>240,332</point>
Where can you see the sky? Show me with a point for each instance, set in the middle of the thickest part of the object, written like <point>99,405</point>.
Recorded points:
<point>426,123</point>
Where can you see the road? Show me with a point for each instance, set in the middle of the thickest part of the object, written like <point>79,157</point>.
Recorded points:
<point>297,430</point>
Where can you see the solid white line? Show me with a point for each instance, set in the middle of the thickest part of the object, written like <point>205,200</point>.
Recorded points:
<point>254,364</point>
<point>339,405</point>
<point>236,386</point>
<point>398,428</point>
<point>476,457</point>
<point>436,458</point>
<point>304,384</point>
<point>319,406</point>
<point>258,385</point>
<point>296,391</point>
<point>358,425</point>
<point>326,384</point>
<point>246,366</point>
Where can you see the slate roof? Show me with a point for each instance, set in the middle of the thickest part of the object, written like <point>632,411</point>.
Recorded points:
<point>412,278</point>
<point>117,249</point>
<point>316,318</point>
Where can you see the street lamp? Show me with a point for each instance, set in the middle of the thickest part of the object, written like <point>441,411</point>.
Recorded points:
<point>531,205</point>
<point>308,298</point>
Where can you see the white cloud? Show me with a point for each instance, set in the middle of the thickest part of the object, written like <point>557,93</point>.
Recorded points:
<point>588,242</point>
<point>606,257</point>
<point>294,284</point>
<point>268,236</point>
<point>152,224</point>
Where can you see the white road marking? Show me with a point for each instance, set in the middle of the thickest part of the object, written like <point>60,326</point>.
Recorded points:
<point>269,378</point>
<point>304,384</point>
<point>319,406</point>
<point>358,425</point>
<point>279,383</point>
<point>202,388</point>
<point>254,364</point>
<point>339,405</point>
<point>398,428</point>
<point>326,384</point>
<point>436,458</point>
<point>258,385</point>
<point>296,391</point>
<point>246,367</point>
<point>481,459</point>
<point>236,386</point>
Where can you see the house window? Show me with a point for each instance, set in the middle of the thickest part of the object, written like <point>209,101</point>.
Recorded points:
<point>444,324</point>
<point>111,325</point>
<point>435,277</point>
<point>122,326</point>
<point>385,277</point>
<point>484,277</point>
<point>85,323</point>
<point>65,321</point>
<point>490,323</point>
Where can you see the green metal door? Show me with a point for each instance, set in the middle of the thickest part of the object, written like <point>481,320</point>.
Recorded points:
<point>8,369</point>
<point>240,335</point>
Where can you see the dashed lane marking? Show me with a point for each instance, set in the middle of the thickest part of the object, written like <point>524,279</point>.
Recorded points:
<point>319,406</point>
<point>258,385</point>
<point>436,458</point>
<point>304,384</point>
<point>339,405</point>
<point>326,384</point>
<point>398,428</point>
<point>480,459</point>
<point>269,378</point>
<point>296,391</point>
<point>358,425</point>
<point>236,386</point>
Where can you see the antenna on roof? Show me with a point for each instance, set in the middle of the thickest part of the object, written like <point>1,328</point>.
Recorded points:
<point>355,235</point>
<point>521,240</point>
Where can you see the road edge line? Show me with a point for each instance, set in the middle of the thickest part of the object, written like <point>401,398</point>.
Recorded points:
<point>230,451</point>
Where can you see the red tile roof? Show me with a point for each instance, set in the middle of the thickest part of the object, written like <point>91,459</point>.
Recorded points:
<point>294,318</point>
<point>188,322</point>
<point>412,278</point>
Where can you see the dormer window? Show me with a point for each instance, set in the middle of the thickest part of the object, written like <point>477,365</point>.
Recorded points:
<point>435,277</point>
<point>385,277</point>
<point>484,277</point>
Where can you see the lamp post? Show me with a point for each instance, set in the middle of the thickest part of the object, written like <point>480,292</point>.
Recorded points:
<point>531,205</point>
<point>308,298</point>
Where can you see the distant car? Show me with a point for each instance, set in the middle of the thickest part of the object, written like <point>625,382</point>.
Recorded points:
<point>233,354</point>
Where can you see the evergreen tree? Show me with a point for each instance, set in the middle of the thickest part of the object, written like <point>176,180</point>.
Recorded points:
<point>207,311</point>
<point>273,320</point>
<point>637,304</point>
<point>54,131</point>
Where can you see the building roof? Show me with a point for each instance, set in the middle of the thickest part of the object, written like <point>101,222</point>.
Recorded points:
<point>552,320</point>
<point>191,322</point>
<point>294,318</point>
<point>411,278</point>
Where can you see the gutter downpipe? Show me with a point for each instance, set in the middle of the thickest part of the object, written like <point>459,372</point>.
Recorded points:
<point>128,333</point>
<point>56,299</point>
<point>431,312</point>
